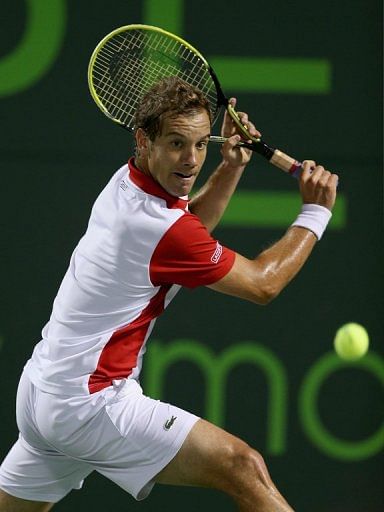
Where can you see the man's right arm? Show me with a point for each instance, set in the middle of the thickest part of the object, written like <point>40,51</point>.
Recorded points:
<point>262,279</point>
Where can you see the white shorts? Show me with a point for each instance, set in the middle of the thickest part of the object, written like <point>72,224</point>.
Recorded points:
<point>119,432</point>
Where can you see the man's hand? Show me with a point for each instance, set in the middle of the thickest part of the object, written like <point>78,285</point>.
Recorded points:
<point>210,202</point>
<point>232,155</point>
<point>317,185</point>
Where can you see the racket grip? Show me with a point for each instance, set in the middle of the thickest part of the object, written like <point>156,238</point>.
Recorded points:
<point>286,163</point>
<point>274,156</point>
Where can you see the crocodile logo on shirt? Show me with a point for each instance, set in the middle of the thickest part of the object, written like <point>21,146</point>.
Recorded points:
<point>168,424</point>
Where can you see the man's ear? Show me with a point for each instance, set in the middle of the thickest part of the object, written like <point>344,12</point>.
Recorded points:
<point>142,140</point>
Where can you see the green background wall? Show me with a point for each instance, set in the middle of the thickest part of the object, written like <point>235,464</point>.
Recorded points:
<point>322,100</point>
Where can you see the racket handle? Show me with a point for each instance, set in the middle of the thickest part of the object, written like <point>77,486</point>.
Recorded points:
<point>275,156</point>
<point>286,163</point>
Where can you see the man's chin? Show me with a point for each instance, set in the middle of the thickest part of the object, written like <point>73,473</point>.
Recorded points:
<point>182,194</point>
<point>181,190</point>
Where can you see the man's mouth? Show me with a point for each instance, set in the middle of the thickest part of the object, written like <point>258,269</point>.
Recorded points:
<point>183,176</point>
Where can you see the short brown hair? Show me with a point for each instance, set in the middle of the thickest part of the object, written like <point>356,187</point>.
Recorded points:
<point>172,96</point>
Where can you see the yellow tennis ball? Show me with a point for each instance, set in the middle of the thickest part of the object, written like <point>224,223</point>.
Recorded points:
<point>351,341</point>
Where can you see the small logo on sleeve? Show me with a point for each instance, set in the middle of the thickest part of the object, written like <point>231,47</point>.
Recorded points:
<point>123,185</point>
<point>217,254</point>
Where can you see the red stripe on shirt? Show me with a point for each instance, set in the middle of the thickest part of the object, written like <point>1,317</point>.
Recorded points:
<point>119,356</point>
<point>187,255</point>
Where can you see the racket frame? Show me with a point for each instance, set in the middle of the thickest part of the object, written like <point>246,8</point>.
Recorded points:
<point>139,26</point>
<point>275,156</point>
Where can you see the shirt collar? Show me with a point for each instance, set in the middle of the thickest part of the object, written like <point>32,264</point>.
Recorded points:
<point>150,186</point>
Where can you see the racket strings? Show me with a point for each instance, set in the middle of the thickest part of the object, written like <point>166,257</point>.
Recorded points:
<point>118,97</point>
<point>130,63</point>
<point>150,72</point>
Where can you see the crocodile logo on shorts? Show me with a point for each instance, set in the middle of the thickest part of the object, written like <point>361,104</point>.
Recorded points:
<point>168,424</point>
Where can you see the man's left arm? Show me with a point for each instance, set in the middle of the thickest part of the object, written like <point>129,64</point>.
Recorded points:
<point>210,202</point>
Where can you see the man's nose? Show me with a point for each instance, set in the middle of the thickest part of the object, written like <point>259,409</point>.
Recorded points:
<point>189,157</point>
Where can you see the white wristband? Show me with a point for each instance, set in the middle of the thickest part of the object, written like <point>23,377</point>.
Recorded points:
<point>313,217</point>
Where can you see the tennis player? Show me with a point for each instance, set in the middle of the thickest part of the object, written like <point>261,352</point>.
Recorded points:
<point>80,407</point>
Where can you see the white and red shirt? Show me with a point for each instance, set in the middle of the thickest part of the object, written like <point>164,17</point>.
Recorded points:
<point>140,246</point>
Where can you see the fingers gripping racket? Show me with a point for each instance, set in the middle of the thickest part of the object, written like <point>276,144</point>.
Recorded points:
<point>131,59</point>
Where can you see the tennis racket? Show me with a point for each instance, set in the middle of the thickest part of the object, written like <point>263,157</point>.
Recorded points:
<point>131,59</point>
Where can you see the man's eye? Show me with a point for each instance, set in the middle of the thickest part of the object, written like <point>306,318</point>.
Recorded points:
<point>176,143</point>
<point>202,144</point>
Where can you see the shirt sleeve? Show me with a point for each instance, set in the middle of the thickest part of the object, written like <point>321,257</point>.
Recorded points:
<point>187,255</point>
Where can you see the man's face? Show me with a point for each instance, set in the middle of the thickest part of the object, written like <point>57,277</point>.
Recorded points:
<point>175,157</point>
